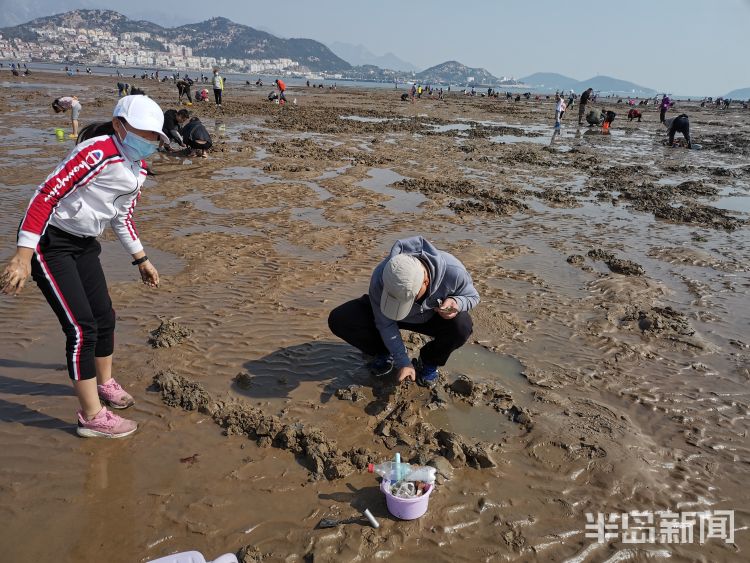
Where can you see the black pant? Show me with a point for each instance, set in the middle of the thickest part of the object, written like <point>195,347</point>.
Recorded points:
<point>662,113</point>
<point>354,322</point>
<point>193,144</point>
<point>184,91</point>
<point>67,270</point>
<point>217,95</point>
<point>680,124</point>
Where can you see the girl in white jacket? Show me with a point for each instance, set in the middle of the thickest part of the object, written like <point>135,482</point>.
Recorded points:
<point>98,183</point>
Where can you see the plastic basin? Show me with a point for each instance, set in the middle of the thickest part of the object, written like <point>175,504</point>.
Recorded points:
<point>405,508</point>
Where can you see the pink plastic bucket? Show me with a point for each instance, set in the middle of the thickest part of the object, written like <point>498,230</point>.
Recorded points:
<point>405,508</point>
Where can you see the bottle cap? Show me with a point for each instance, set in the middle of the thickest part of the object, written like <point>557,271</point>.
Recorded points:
<point>370,467</point>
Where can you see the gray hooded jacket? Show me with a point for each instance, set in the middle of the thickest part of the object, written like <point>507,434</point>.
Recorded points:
<point>448,278</point>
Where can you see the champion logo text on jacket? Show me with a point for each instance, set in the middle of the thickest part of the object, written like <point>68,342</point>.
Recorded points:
<point>93,186</point>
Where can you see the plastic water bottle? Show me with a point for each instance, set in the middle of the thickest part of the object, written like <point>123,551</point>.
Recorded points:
<point>391,470</point>
<point>394,471</point>
<point>421,473</point>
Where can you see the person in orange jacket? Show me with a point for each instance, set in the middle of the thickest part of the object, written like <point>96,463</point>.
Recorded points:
<point>282,88</point>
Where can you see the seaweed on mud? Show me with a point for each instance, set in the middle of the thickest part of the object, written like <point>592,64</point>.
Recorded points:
<point>482,200</point>
<point>497,206</point>
<point>695,188</point>
<point>308,149</point>
<point>526,154</point>
<point>558,197</point>
<point>329,120</point>
<point>479,131</point>
<point>676,203</point>
<point>699,214</point>
<point>730,143</point>
<point>616,265</point>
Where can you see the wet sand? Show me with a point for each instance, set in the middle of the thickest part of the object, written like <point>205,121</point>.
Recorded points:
<point>609,363</point>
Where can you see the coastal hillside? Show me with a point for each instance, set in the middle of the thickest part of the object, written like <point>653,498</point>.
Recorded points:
<point>550,80</point>
<point>453,72</point>
<point>607,84</point>
<point>741,94</point>
<point>217,37</point>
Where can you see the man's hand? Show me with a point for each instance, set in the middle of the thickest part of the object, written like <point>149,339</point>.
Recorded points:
<point>17,271</point>
<point>407,372</point>
<point>448,309</point>
<point>149,275</point>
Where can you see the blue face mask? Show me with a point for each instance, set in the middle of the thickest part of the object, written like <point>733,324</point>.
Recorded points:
<point>136,147</point>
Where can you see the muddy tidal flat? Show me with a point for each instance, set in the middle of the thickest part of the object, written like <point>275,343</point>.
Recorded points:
<point>608,372</point>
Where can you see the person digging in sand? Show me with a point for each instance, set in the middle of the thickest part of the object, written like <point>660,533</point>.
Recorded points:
<point>634,114</point>
<point>680,124</point>
<point>171,130</point>
<point>194,134</point>
<point>98,183</point>
<point>417,288</point>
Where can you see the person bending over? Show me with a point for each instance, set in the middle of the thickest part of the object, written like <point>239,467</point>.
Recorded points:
<point>282,89</point>
<point>171,129</point>
<point>417,288</point>
<point>680,124</point>
<point>69,103</point>
<point>98,184</point>
<point>607,118</point>
<point>593,118</point>
<point>184,85</point>
<point>194,134</point>
<point>634,114</point>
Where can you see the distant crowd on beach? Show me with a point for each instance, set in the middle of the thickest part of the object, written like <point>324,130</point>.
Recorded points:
<point>190,135</point>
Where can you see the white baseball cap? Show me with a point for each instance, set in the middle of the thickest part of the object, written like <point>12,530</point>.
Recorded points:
<point>403,276</point>
<point>141,112</point>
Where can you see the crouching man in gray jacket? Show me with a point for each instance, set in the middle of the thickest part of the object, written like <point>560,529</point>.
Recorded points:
<point>417,288</point>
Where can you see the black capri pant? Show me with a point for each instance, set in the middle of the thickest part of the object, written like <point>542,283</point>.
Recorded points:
<point>66,268</point>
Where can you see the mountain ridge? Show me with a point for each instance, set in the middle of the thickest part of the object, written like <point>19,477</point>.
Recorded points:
<point>739,94</point>
<point>216,37</point>
<point>457,73</point>
<point>359,55</point>
<point>555,81</point>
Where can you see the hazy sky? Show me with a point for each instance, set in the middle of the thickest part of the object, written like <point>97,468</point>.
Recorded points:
<point>690,47</point>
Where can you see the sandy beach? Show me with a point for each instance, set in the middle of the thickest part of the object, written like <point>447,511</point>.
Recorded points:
<point>608,371</point>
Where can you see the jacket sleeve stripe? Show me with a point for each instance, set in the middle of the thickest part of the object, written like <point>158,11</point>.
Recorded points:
<point>129,219</point>
<point>78,170</point>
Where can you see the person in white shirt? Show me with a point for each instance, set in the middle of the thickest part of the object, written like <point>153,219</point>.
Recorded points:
<point>559,109</point>
<point>69,103</point>
<point>218,84</point>
<point>98,183</point>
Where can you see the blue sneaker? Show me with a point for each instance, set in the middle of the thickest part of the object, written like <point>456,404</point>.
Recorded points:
<point>427,374</point>
<point>381,365</point>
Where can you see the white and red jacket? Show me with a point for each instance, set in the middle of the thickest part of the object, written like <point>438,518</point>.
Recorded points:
<point>93,186</point>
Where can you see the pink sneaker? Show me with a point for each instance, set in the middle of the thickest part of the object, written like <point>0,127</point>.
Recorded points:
<point>105,425</point>
<point>114,395</point>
